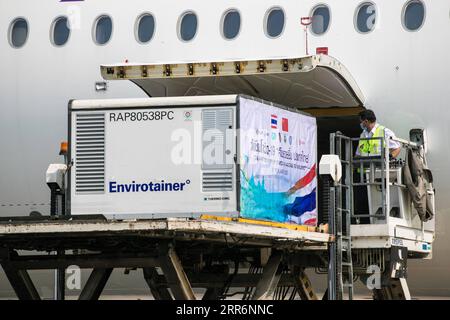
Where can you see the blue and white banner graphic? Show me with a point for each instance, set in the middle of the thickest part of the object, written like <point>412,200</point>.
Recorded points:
<point>278,164</point>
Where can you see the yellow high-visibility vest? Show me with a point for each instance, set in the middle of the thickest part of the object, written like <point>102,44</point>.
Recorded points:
<point>372,147</point>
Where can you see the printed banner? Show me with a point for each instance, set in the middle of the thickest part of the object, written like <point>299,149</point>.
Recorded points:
<point>278,164</point>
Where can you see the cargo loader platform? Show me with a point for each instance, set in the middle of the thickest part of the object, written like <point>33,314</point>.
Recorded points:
<point>179,254</point>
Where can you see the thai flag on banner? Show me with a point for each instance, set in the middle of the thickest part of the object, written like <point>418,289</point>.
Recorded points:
<point>303,209</point>
<point>273,121</point>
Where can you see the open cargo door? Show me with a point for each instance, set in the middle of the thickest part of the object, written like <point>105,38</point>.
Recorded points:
<point>319,85</point>
<point>318,81</point>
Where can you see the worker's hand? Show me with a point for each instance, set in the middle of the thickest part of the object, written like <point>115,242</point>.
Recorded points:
<point>395,152</point>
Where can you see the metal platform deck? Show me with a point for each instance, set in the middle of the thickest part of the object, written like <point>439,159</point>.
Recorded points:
<point>52,234</point>
<point>207,253</point>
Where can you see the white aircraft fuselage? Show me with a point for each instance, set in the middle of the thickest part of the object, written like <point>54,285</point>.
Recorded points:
<point>402,74</point>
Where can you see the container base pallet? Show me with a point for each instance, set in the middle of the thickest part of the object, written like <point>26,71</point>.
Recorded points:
<point>176,254</point>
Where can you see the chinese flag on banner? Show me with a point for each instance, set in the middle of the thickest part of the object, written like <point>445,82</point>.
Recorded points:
<point>285,125</point>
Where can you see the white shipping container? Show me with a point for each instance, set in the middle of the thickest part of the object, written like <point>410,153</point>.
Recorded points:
<point>232,155</point>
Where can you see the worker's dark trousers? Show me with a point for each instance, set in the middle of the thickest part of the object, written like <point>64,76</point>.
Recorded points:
<point>361,202</point>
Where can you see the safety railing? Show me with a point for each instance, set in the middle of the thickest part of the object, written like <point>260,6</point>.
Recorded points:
<point>366,167</point>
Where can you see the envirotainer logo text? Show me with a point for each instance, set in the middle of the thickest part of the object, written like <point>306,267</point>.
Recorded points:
<point>161,186</point>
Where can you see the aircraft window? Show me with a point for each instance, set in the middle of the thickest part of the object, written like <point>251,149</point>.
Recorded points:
<point>366,17</point>
<point>188,26</point>
<point>18,33</point>
<point>320,19</point>
<point>274,22</point>
<point>60,31</point>
<point>231,24</point>
<point>103,30</point>
<point>145,28</point>
<point>413,15</point>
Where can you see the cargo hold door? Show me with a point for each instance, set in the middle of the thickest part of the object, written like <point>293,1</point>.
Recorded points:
<point>318,81</point>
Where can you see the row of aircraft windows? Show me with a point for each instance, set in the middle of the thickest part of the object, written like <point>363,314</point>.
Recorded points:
<point>413,17</point>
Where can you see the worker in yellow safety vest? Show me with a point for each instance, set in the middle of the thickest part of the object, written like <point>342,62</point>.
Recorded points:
<point>367,148</point>
<point>371,129</point>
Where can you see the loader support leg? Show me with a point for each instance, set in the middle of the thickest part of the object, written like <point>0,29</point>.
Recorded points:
<point>396,290</point>
<point>394,285</point>
<point>304,287</point>
<point>158,292</point>
<point>19,279</point>
<point>176,277</point>
<point>22,284</point>
<point>270,278</point>
<point>95,284</point>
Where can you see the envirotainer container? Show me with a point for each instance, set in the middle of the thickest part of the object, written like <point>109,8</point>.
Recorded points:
<point>229,155</point>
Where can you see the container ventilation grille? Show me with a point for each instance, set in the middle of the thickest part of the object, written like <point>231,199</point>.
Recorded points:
<point>217,181</point>
<point>215,123</point>
<point>90,153</point>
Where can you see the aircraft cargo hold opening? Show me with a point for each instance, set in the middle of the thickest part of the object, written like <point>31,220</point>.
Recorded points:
<point>331,120</point>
